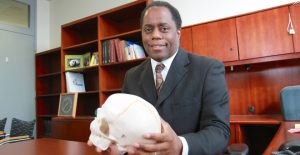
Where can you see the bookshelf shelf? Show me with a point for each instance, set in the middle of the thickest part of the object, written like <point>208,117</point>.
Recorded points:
<point>131,35</point>
<point>46,116</point>
<point>48,75</point>
<point>128,62</point>
<point>48,95</point>
<point>84,69</point>
<point>86,46</point>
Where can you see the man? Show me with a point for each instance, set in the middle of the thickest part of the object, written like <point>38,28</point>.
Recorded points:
<point>193,97</point>
<point>190,92</point>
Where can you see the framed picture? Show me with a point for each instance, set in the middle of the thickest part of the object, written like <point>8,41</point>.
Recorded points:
<point>73,62</point>
<point>67,104</point>
<point>86,59</point>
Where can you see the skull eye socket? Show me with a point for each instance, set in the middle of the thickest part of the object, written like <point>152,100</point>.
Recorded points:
<point>104,128</point>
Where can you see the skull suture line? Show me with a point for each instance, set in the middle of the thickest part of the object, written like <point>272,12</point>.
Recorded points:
<point>124,119</point>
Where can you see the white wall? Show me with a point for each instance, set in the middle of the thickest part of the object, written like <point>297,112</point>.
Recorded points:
<point>43,25</point>
<point>192,11</point>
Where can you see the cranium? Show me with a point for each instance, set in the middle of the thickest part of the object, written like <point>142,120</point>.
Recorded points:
<point>123,119</point>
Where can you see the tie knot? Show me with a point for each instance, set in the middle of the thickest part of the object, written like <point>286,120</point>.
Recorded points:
<point>159,67</point>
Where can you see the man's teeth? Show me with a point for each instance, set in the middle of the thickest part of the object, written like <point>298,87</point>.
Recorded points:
<point>157,45</point>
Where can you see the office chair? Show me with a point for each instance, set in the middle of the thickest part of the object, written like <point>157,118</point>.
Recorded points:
<point>238,149</point>
<point>20,130</point>
<point>290,103</point>
<point>2,126</point>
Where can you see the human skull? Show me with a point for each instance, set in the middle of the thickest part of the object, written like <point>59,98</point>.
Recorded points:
<point>124,119</point>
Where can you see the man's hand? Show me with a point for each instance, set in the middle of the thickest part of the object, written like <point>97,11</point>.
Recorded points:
<point>112,150</point>
<point>167,143</point>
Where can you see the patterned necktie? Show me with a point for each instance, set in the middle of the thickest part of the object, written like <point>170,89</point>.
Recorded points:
<point>159,79</point>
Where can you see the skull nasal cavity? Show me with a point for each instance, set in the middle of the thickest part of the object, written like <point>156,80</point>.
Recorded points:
<point>104,128</point>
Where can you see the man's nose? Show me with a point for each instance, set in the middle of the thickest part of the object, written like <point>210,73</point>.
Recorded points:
<point>156,34</point>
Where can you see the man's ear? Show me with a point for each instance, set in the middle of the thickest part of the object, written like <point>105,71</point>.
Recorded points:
<point>179,33</point>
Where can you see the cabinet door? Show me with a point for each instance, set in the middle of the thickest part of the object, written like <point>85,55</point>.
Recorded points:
<point>295,14</point>
<point>216,39</point>
<point>71,129</point>
<point>264,34</point>
<point>186,41</point>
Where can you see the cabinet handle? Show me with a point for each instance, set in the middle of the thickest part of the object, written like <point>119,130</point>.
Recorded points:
<point>231,49</point>
<point>251,109</point>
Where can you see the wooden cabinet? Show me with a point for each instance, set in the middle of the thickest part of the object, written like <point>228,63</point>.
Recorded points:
<point>48,89</point>
<point>295,15</point>
<point>264,34</point>
<point>216,39</point>
<point>71,128</point>
<point>122,23</point>
<point>254,89</point>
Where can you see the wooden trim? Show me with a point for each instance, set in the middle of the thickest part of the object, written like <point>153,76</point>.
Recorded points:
<point>255,119</point>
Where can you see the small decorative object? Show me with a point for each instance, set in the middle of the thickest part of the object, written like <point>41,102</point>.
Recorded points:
<point>123,119</point>
<point>73,62</point>
<point>95,59</point>
<point>67,104</point>
<point>86,59</point>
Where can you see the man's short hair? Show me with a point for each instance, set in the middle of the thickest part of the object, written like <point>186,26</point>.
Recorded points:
<point>174,12</point>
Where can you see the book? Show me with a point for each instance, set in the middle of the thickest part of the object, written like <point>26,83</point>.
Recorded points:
<point>139,51</point>
<point>75,82</point>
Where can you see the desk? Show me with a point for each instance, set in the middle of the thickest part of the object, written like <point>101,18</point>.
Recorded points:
<point>281,136</point>
<point>46,146</point>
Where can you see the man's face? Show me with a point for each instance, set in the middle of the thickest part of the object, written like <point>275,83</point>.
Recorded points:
<point>159,33</point>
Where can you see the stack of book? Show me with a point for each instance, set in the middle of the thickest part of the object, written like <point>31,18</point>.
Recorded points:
<point>117,50</point>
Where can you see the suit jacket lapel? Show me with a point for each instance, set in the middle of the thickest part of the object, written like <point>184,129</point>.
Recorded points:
<point>147,82</point>
<point>175,74</point>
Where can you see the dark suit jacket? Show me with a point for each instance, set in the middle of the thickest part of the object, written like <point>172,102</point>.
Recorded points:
<point>193,99</point>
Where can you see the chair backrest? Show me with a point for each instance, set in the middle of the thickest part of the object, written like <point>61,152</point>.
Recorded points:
<point>2,124</point>
<point>290,103</point>
<point>21,127</point>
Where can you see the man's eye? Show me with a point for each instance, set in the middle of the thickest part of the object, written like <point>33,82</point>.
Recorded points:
<point>164,29</point>
<point>147,29</point>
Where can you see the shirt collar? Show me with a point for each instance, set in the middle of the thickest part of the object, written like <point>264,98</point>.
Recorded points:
<point>166,62</point>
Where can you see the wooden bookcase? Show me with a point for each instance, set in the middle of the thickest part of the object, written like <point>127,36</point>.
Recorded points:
<point>122,23</point>
<point>48,89</point>
<point>79,37</point>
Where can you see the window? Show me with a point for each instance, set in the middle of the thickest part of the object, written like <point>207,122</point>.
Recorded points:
<point>17,16</point>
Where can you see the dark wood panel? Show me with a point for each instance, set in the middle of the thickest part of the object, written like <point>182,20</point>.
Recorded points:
<point>217,39</point>
<point>264,34</point>
<point>295,15</point>
<point>232,134</point>
<point>258,85</point>
<point>77,129</point>
<point>186,41</point>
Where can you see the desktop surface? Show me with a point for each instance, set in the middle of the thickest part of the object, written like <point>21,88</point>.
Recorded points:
<point>47,146</point>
